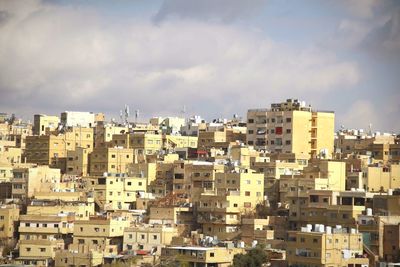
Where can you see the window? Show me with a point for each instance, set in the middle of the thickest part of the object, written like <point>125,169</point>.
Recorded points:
<point>113,156</point>
<point>288,131</point>
<point>142,236</point>
<point>250,121</point>
<point>28,249</point>
<point>247,193</point>
<point>211,254</point>
<point>155,237</point>
<point>97,229</point>
<point>288,119</point>
<point>315,240</point>
<point>129,183</point>
<point>251,132</point>
<point>42,249</point>
<point>288,142</point>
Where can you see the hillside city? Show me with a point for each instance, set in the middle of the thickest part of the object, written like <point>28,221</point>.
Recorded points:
<point>280,187</point>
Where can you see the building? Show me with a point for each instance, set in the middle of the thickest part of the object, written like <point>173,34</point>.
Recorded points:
<point>82,209</point>
<point>116,191</point>
<point>148,237</point>
<point>78,119</point>
<point>44,123</point>
<point>9,216</point>
<point>101,234</point>
<point>236,194</point>
<point>113,160</point>
<point>292,127</point>
<point>52,149</point>
<point>78,255</point>
<point>200,256</point>
<point>29,180</point>
<point>78,161</point>
<point>320,246</point>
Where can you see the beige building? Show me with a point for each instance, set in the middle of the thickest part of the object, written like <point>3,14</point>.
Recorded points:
<point>220,210</point>
<point>200,256</point>
<point>382,178</point>
<point>325,247</point>
<point>38,252</point>
<point>78,161</point>
<point>114,160</point>
<point>9,216</point>
<point>101,234</point>
<point>291,127</point>
<point>27,181</point>
<point>78,255</point>
<point>116,191</point>
<point>52,149</point>
<point>81,209</point>
<point>148,237</point>
<point>43,123</point>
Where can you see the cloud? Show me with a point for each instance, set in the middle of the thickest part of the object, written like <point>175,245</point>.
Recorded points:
<point>56,58</point>
<point>214,10</point>
<point>372,28</point>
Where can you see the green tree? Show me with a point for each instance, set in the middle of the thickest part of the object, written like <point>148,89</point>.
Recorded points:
<point>255,257</point>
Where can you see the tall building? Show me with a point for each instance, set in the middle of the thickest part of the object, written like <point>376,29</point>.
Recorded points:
<point>291,127</point>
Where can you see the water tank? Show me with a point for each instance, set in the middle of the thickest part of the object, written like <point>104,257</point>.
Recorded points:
<point>390,192</point>
<point>254,243</point>
<point>369,212</point>
<point>321,228</point>
<point>328,230</point>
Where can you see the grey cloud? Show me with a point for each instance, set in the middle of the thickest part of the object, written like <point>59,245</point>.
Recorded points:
<point>215,10</point>
<point>59,58</point>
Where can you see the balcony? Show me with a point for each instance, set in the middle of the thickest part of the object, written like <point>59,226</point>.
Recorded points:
<point>39,230</point>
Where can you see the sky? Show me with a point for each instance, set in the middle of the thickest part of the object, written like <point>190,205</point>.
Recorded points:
<point>216,58</point>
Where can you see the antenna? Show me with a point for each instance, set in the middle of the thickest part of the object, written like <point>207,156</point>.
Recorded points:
<point>370,128</point>
<point>183,111</point>
<point>136,115</point>
<point>126,113</point>
<point>121,116</point>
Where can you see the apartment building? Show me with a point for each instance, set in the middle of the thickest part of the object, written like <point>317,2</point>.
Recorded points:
<point>327,207</point>
<point>29,180</point>
<point>9,216</point>
<point>52,149</point>
<point>78,161</point>
<point>116,191</point>
<point>46,227</point>
<point>43,123</point>
<point>113,160</point>
<point>103,134</point>
<point>220,210</point>
<point>38,253</point>
<point>199,256</point>
<point>381,178</point>
<point>82,209</point>
<point>220,139</point>
<point>148,237</point>
<point>78,255</point>
<point>101,234</point>
<point>291,127</point>
<point>78,119</point>
<point>325,246</point>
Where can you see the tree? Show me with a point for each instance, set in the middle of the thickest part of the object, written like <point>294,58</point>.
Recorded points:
<point>255,257</point>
